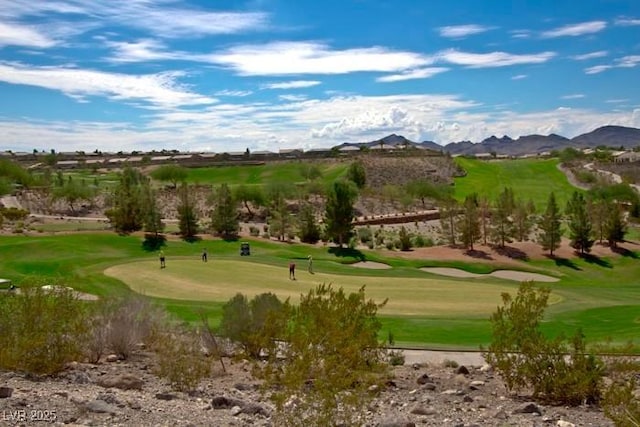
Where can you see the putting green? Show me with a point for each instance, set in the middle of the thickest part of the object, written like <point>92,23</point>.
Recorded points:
<point>219,280</point>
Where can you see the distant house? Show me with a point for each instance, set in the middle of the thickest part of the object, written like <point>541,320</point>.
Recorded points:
<point>160,158</point>
<point>182,157</point>
<point>384,147</point>
<point>318,152</point>
<point>290,153</point>
<point>627,156</point>
<point>67,164</point>
<point>483,156</point>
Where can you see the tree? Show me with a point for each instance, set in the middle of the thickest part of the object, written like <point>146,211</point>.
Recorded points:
<point>501,220</point>
<point>187,216</point>
<point>224,217</point>
<point>73,191</point>
<point>598,210</point>
<point>171,173</point>
<point>281,221</point>
<point>484,215</point>
<point>551,235</point>
<point>126,211</point>
<point>331,360</point>
<point>310,171</point>
<point>448,219</point>
<point>615,226</point>
<point>249,194</point>
<point>580,229</point>
<point>522,221</point>
<point>468,223</point>
<point>357,174</point>
<point>151,215</point>
<point>308,229</point>
<point>339,212</point>
<point>405,239</point>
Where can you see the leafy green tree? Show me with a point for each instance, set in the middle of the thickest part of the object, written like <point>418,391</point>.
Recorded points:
<point>281,221</point>
<point>598,210</point>
<point>224,217</point>
<point>551,235</point>
<point>357,174</point>
<point>308,229</point>
<point>151,214</point>
<point>501,220</point>
<point>448,219</point>
<point>341,331</point>
<point>126,212</point>
<point>422,189</point>
<point>172,173</point>
<point>615,226</point>
<point>74,191</point>
<point>580,229</point>
<point>187,215</point>
<point>468,222</point>
<point>522,221</point>
<point>246,194</point>
<point>339,212</point>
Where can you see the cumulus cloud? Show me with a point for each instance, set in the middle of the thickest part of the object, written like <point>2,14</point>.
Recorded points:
<point>287,58</point>
<point>461,31</point>
<point>294,84</point>
<point>574,30</point>
<point>420,73</point>
<point>150,89</point>
<point>493,59</point>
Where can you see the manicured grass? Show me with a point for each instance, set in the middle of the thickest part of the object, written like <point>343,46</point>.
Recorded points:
<point>600,296</point>
<point>288,172</point>
<point>529,179</point>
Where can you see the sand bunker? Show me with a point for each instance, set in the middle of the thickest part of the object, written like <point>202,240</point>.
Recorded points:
<point>518,276</point>
<point>371,265</point>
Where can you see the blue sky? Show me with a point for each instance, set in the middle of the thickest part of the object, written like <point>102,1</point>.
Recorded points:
<point>271,74</point>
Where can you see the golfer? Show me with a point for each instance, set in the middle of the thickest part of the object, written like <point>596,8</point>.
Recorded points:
<point>292,271</point>
<point>162,263</point>
<point>310,264</point>
<point>204,255</point>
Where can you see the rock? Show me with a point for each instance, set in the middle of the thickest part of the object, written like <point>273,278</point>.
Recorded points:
<point>236,410</point>
<point>242,386</point>
<point>477,383</point>
<point>486,368</point>
<point>451,392</point>
<point>421,410</point>
<point>395,422</point>
<point>62,394</point>
<point>109,398</point>
<point>462,370</point>
<point>563,423</point>
<point>528,408</point>
<point>79,377</point>
<point>223,402</point>
<point>123,382</point>
<point>467,399</point>
<point>429,386</point>
<point>166,396</point>
<point>423,379</point>
<point>112,358</point>
<point>5,392</point>
<point>254,409</point>
<point>501,415</point>
<point>101,407</point>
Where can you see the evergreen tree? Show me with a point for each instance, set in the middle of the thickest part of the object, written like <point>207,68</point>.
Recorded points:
<point>187,216</point>
<point>224,217</point>
<point>484,215</point>
<point>469,224</point>
<point>151,215</point>
<point>357,174</point>
<point>579,223</point>
<point>522,221</point>
<point>551,235</point>
<point>339,212</point>
<point>281,221</point>
<point>308,230</point>
<point>501,220</point>
<point>126,211</point>
<point>448,219</point>
<point>598,211</point>
<point>405,239</point>
<point>615,227</point>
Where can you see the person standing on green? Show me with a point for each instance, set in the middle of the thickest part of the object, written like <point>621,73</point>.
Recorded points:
<point>162,260</point>
<point>310,264</point>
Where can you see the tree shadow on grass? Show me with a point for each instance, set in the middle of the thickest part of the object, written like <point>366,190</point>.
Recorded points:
<point>564,262</point>
<point>511,252</point>
<point>593,259</point>
<point>474,253</point>
<point>347,253</point>
<point>152,243</point>
<point>192,239</point>
<point>625,252</point>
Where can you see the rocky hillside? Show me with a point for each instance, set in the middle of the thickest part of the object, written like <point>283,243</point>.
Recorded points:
<point>125,393</point>
<point>383,170</point>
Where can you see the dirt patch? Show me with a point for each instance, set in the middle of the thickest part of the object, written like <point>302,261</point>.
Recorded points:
<point>518,276</point>
<point>371,265</point>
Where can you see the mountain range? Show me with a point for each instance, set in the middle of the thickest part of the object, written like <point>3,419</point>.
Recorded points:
<point>609,136</point>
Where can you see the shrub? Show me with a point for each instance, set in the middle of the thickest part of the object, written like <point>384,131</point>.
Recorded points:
<point>331,360</point>
<point>254,231</point>
<point>419,241</point>
<point>389,245</point>
<point>448,363</point>
<point>364,234</point>
<point>405,239</point>
<point>14,214</point>
<point>557,371</point>
<point>620,402</point>
<point>41,329</point>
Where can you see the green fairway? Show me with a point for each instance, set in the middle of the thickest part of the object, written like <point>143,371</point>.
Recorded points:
<point>529,178</point>
<point>602,297</point>
<point>221,280</point>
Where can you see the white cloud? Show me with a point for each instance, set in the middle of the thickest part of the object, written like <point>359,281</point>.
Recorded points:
<point>151,89</point>
<point>461,31</point>
<point>493,59</point>
<point>140,51</point>
<point>590,55</point>
<point>520,34</point>
<point>616,101</point>
<point>573,96</point>
<point>596,69</point>
<point>292,98</point>
<point>628,61</point>
<point>627,22</point>
<point>519,77</point>
<point>574,30</point>
<point>420,73</point>
<point>294,84</point>
<point>236,93</point>
<point>22,35</point>
<point>287,58</point>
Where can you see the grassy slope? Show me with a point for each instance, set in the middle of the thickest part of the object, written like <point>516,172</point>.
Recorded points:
<point>589,297</point>
<point>533,179</point>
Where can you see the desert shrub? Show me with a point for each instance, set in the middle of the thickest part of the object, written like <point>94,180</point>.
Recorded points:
<point>266,235</point>
<point>389,245</point>
<point>180,359</point>
<point>419,241</point>
<point>254,231</point>
<point>364,234</point>
<point>253,325</point>
<point>556,370</point>
<point>585,176</point>
<point>379,239</point>
<point>125,323</point>
<point>405,239</point>
<point>14,214</point>
<point>397,243</point>
<point>331,359</point>
<point>370,244</point>
<point>41,329</point>
<point>619,401</point>
<point>394,357</point>
<point>448,363</point>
